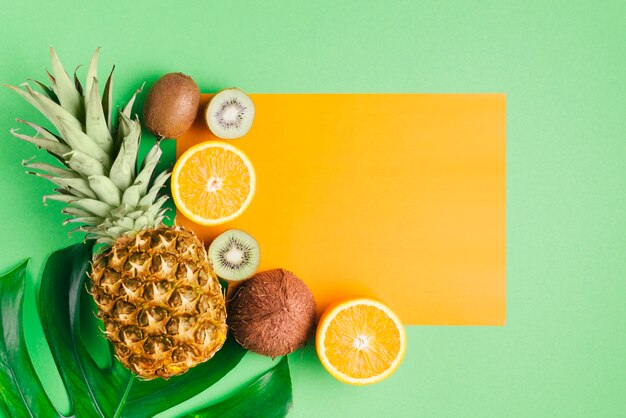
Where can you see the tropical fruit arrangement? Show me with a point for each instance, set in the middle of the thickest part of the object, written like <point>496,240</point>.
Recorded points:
<point>160,291</point>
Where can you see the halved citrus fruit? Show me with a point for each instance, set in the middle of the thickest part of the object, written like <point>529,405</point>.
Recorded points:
<point>212,183</point>
<point>360,341</point>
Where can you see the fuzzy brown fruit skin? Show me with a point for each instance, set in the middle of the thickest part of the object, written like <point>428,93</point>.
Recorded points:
<point>272,313</point>
<point>171,105</point>
<point>162,305</point>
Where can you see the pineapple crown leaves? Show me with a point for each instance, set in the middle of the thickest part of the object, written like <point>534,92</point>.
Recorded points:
<point>99,183</point>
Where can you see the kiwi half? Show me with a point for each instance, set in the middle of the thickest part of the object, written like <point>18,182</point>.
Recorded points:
<point>235,255</point>
<point>230,114</point>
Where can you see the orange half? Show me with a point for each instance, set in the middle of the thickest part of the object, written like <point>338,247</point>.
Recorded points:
<point>212,183</point>
<point>360,341</point>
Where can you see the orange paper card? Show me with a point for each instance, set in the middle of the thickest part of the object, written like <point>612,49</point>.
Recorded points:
<point>400,197</point>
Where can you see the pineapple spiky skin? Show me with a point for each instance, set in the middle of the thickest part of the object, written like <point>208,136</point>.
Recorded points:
<point>160,302</point>
<point>156,291</point>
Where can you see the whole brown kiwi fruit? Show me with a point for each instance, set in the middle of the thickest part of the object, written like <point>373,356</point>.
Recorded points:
<point>272,313</point>
<point>171,105</point>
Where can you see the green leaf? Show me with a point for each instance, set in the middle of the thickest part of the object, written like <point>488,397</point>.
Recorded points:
<point>84,164</point>
<point>147,168</point>
<point>79,87</point>
<point>94,206</point>
<point>132,195</point>
<point>92,392</point>
<point>106,190</point>
<point>150,197</point>
<point>95,121</point>
<point>128,109</point>
<point>59,197</point>
<point>50,169</point>
<point>77,186</point>
<point>154,210</point>
<point>123,170</point>
<point>21,392</point>
<point>107,100</point>
<point>80,141</point>
<point>46,106</point>
<point>41,131</point>
<point>92,73</point>
<point>53,147</point>
<point>269,396</point>
<point>69,96</point>
<point>47,90</point>
<point>124,126</point>
<point>87,220</point>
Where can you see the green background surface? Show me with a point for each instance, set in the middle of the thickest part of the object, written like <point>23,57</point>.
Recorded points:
<point>562,65</point>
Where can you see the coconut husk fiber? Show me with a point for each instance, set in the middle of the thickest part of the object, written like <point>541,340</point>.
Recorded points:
<point>272,313</point>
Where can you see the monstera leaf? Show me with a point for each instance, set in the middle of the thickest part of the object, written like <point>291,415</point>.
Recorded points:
<point>269,396</point>
<point>113,391</point>
<point>21,393</point>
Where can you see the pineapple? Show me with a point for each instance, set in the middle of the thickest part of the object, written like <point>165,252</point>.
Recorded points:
<point>160,301</point>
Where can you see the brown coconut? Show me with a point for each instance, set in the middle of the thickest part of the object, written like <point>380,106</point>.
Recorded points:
<point>272,313</point>
<point>171,105</point>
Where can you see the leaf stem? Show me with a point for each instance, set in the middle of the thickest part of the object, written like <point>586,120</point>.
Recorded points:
<point>122,403</point>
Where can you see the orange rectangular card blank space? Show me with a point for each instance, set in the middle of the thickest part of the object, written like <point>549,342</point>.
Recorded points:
<point>400,197</point>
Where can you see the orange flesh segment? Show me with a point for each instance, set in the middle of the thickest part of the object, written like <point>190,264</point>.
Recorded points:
<point>214,183</point>
<point>362,341</point>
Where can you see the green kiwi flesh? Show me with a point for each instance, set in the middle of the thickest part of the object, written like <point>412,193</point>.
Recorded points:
<point>235,255</point>
<point>230,113</point>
